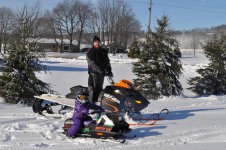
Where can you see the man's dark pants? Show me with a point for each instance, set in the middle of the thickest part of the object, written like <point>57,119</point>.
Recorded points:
<point>95,85</point>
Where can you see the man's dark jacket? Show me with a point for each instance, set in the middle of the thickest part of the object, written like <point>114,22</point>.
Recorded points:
<point>98,61</point>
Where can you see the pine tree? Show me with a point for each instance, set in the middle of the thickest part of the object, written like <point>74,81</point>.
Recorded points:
<point>159,66</point>
<point>134,50</point>
<point>212,79</point>
<point>18,82</point>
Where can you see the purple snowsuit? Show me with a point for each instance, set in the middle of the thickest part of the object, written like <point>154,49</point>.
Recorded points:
<point>81,112</point>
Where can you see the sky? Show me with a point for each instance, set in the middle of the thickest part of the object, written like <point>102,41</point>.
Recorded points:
<point>183,14</point>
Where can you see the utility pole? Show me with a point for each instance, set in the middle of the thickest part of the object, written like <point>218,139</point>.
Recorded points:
<point>101,38</point>
<point>149,23</point>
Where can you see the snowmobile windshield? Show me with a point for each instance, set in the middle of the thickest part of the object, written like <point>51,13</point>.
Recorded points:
<point>120,99</point>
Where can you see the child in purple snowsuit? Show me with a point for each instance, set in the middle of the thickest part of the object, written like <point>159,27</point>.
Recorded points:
<point>81,111</point>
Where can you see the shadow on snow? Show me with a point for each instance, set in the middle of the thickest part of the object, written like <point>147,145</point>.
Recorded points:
<point>142,132</point>
<point>50,62</point>
<point>173,115</point>
<point>63,68</point>
<point>183,114</point>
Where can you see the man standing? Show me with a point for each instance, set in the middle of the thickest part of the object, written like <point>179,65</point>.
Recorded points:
<point>98,67</point>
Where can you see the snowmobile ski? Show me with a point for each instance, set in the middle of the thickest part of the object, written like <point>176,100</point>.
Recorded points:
<point>156,116</point>
<point>121,140</point>
<point>114,140</point>
<point>148,121</point>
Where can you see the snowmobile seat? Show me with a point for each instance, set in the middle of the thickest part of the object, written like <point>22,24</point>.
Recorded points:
<point>88,122</point>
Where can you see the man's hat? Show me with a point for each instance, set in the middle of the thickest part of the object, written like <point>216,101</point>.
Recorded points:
<point>96,38</point>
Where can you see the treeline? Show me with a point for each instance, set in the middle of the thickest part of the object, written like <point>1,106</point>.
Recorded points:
<point>77,20</point>
<point>195,38</point>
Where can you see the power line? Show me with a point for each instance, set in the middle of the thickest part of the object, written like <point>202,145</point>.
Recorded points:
<point>202,4</point>
<point>189,8</point>
<point>149,22</point>
<point>179,6</point>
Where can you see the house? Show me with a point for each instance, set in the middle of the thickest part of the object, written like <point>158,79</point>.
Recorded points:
<point>113,47</point>
<point>85,47</point>
<point>45,44</point>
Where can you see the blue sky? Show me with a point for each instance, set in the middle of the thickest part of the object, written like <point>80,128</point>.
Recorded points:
<point>183,14</point>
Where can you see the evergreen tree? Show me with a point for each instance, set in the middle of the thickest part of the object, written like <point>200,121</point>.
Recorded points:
<point>1,61</point>
<point>134,50</point>
<point>18,82</point>
<point>159,66</point>
<point>212,79</point>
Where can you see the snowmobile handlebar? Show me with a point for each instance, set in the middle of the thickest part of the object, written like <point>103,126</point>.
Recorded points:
<point>96,112</point>
<point>110,80</point>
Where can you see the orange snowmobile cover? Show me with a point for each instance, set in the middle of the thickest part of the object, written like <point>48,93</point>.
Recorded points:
<point>125,84</point>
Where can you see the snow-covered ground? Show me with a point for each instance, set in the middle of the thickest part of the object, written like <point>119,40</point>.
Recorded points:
<point>193,123</point>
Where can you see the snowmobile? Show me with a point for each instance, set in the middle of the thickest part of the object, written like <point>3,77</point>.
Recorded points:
<point>118,98</point>
<point>109,126</point>
<point>121,102</point>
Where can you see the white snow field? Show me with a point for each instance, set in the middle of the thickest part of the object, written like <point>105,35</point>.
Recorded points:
<point>194,123</point>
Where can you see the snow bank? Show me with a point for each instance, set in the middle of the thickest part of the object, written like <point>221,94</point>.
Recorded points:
<point>80,58</point>
<point>1,100</point>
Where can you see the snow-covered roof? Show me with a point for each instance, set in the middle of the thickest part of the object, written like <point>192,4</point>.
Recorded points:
<point>66,41</point>
<point>85,46</point>
<point>45,40</point>
<point>52,41</point>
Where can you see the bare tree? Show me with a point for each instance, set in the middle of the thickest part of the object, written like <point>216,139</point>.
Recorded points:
<point>195,41</point>
<point>117,22</point>
<point>53,27</point>
<point>104,13</point>
<point>66,14</point>
<point>84,15</point>
<point>67,20</point>
<point>25,27</point>
<point>6,25</point>
<point>93,23</point>
<point>127,25</point>
<point>45,25</point>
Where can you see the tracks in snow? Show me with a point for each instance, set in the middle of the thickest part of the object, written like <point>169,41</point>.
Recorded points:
<point>30,131</point>
<point>202,135</point>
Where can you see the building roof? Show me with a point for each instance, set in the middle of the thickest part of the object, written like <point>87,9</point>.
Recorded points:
<point>51,41</point>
